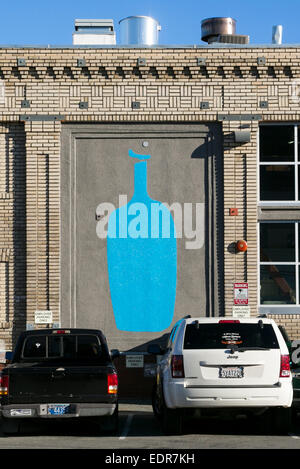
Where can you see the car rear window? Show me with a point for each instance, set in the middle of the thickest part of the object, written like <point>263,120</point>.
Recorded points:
<point>79,348</point>
<point>226,335</point>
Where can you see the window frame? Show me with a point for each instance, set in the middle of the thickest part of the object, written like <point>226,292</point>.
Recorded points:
<point>283,211</point>
<point>295,263</point>
<point>295,163</point>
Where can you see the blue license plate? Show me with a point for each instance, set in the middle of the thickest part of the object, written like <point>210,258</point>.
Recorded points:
<point>58,409</point>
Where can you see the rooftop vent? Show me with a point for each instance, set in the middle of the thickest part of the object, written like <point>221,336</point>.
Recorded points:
<point>221,30</point>
<point>277,34</point>
<point>94,32</point>
<point>139,30</point>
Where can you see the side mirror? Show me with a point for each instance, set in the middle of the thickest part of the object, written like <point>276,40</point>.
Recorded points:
<point>8,357</point>
<point>114,354</point>
<point>155,349</point>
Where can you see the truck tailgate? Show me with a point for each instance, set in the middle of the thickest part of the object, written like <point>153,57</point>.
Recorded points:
<point>32,384</point>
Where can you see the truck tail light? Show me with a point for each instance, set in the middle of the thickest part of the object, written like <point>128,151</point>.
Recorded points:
<point>177,366</point>
<point>112,383</point>
<point>4,385</point>
<point>285,370</point>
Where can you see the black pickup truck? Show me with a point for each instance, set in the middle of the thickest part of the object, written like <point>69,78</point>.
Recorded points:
<point>60,373</point>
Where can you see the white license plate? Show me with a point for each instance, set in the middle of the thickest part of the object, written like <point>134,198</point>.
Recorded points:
<point>231,372</point>
<point>18,412</point>
<point>58,409</point>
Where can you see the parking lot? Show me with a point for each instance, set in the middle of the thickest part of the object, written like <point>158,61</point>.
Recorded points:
<point>140,430</point>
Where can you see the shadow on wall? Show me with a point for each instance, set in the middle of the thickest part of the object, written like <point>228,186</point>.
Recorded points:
<point>16,184</point>
<point>212,154</point>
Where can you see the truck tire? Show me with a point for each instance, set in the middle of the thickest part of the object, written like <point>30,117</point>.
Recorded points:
<point>9,426</point>
<point>110,424</point>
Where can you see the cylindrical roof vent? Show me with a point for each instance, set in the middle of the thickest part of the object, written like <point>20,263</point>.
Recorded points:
<point>139,30</point>
<point>212,28</point>
<point>277,34</point>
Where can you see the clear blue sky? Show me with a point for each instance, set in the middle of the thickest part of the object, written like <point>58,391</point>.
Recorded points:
<point>42,22</point>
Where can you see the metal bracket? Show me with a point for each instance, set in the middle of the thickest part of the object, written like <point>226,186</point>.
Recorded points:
<point>261,61</point>
<point>201,61</point>
<point>25,103</point>
<point>83,105</point>
<point>204,105</point>
<point>141,61</point>
<point>81,63</point>
<point>239,117</point>
<point>36,117</point>
<point>264,104</point>
<point>21,62</point>
<point>136,105</point>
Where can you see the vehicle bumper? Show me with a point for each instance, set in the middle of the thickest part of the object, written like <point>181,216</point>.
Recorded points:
<point>178,395</point>
<point>41,411</point>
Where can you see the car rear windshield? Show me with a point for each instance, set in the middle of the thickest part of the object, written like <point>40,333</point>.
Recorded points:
<point>227,335</point>
<point>78,348</point>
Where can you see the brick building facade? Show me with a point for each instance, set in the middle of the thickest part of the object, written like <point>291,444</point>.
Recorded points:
<point>47,89</point>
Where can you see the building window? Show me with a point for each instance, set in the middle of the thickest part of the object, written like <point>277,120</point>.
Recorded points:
<point>279,218</point>
<point>279,263</point>
<point>279,163</point>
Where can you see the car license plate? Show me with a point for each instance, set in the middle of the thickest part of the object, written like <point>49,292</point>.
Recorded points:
<point>58,409</point>
<point>231,372</point>
<point>18,412</point>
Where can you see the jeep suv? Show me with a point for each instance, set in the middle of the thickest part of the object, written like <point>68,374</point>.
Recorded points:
<point>216,364</point>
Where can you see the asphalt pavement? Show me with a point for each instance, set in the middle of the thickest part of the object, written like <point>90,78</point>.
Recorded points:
<point>139,430</point>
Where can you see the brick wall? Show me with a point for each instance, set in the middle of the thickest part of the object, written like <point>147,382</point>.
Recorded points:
<point>171,87</point>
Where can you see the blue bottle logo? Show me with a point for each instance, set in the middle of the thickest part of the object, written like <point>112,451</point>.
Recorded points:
<point>142,259</point>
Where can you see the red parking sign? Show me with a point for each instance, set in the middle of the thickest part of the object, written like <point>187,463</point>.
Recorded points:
<point>241,293</point>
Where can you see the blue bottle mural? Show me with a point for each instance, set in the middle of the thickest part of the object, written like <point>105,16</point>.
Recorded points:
<point>142,259</point>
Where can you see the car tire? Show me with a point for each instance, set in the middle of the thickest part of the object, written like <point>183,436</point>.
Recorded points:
<point>157,402</point>
<point>172,420</point>
<point>281,420</point>
<point>295,412</point>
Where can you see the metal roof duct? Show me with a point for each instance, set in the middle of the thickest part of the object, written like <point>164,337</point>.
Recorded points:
<point>277,34</point>
<point>139,30</point>
<point>212,27</point>
<point>222,30</point>
<point>94,32</point>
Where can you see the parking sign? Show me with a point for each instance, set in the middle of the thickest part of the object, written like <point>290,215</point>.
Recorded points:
<point>241,293</point>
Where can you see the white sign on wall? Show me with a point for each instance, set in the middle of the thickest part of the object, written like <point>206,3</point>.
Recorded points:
<point>241,311</point>
<point>43,317</point>
<point>134,361</point>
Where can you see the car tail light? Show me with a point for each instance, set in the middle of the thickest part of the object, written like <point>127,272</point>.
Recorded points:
<point>177,366</point>
<point>4,385</point>
<point>229,321</point>
<point>285,370</point>
<point>112,383</point>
